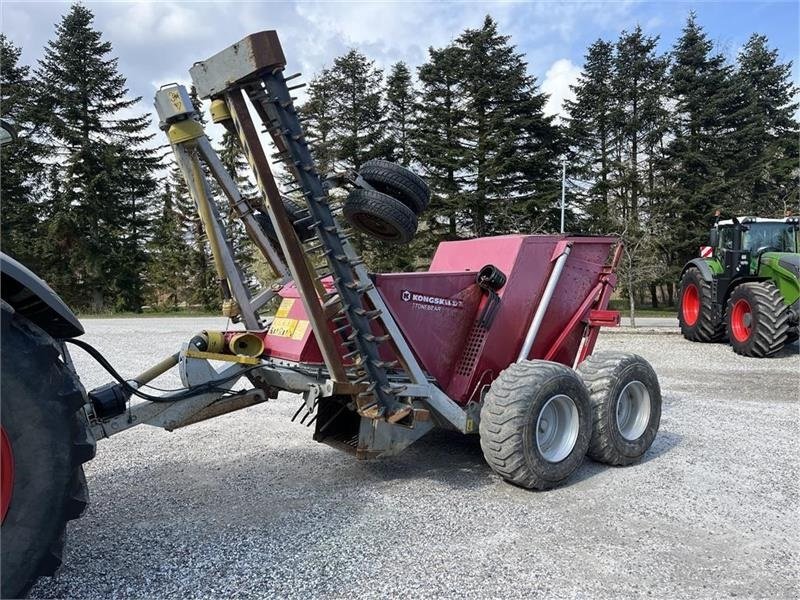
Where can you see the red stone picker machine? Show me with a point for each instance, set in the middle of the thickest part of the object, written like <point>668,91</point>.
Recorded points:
<point>495,339</point>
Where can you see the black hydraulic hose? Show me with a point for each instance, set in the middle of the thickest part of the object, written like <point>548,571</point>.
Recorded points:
<point>203,388</point>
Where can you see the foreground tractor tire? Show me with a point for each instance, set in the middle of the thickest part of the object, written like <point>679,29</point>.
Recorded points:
<point>626,406</point>
<point>396,181</point>
<point>536,424</point>
<point>380,216</point>
<point>695,312</point>
<point>757,319</point>
<point>45,442</point>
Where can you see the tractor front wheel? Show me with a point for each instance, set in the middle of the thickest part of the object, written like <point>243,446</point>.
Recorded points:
<point>626,406</point>
<point>536,424</point>
<point>45,441</point>
<point>695,312</point>
<point>757,319</point>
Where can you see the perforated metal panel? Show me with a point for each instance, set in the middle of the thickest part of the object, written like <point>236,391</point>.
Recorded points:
<point>472,350</point>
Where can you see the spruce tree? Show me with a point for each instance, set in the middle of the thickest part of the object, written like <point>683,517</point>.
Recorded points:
<point>638,86</point>
<point>106,166</point>
<point>21,170</point>
<point>437,136</point>
<point>400,113</point>
<point>764,149</point>
<point>640,123</point>
<point>591,131</point>
<point>168,271</point>
<point>700,89</point>
<point>318,113</point>
<point>509,148</point>
<point>357,115</point>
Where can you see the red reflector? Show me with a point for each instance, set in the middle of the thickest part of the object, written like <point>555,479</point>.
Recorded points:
<point>604,318</point>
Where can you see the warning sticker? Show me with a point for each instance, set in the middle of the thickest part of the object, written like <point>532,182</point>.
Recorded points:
<point>285,307</point>
<point>283,327</point>
<point>300,330</point>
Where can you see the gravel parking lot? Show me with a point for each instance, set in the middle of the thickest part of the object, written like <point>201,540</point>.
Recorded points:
<point>247,505</point>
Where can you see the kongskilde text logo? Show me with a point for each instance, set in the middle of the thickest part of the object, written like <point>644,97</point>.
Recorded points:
<point>409,296</point>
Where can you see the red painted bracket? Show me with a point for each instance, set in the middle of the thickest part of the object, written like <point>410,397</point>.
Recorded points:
<point>603,318</point>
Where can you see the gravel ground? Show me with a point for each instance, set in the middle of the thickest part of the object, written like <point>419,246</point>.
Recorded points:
<point>247,505</point>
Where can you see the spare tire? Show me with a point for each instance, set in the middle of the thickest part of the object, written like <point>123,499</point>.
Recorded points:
<point>380,216</point>
<point>397,182</point>
<point>46,440</point>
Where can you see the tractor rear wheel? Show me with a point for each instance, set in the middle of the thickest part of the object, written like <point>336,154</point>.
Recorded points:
<point>626,406</point>
<point>398,182</point>
<point>757,319</point>
<point>536,424</point>
<point>45,441</point>
<point>695,312</point>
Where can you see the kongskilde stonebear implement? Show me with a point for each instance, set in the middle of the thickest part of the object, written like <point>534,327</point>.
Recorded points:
<point>494,339</point>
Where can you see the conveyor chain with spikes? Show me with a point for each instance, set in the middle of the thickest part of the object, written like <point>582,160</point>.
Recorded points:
<point>352,320</point>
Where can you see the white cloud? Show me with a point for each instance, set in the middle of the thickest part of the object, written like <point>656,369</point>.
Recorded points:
<point>153,21</point>
<point>557,81</point>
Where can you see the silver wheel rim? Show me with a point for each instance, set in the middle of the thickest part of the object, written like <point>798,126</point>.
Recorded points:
<point>557,428</point>
<point>633,410</point>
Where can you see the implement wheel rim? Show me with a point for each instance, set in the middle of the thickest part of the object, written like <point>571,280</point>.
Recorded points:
<point>557,428</point>
<point>690,304</point>
<point>741,320</point>
<point>6,472</point>
<point>633,410</point>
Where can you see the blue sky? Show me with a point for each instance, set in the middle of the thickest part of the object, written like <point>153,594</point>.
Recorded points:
<point>156,42</point>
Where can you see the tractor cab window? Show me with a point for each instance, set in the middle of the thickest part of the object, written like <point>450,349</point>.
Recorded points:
<point>726,238</point>
<point>777,237</point>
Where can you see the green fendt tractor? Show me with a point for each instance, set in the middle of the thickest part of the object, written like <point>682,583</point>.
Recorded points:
<point>745,285</point>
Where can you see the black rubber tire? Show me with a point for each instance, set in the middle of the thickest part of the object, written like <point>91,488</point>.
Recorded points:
<point>606,375</point>
<point>398,182</point>
<point>380,216</point>
<point>706,328</point>
<point>769,328</point>
<point>509,418</point>
<point>296,213</point>
<point>43,417</point>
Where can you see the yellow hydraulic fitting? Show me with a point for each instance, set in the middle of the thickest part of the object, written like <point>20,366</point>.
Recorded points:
<point>220,111</point>
<point>184,131</point>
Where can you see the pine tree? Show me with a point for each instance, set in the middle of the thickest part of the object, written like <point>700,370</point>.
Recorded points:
<point>591,130</point>
<point>20,172</point>
<point>401,113</point>
<point>764,149</point>
<point>357,115</point>
<point>107,168</point>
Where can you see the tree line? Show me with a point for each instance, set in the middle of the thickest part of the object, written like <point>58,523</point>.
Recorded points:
<point>654,143</point>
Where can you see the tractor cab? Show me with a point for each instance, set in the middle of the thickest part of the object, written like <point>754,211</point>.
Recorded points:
<point>739,244</point>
